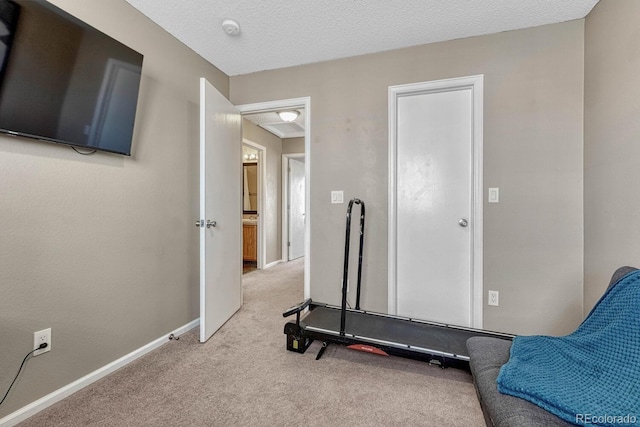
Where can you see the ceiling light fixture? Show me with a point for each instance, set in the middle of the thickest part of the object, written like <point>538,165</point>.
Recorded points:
<point>231,27</point>
<point>288,116</point>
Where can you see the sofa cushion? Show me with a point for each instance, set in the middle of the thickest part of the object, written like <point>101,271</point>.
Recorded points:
<point>487,355</point>
<point>593,370</point>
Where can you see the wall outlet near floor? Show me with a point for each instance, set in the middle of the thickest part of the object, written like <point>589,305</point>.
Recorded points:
<point>494,298</point>
<point>41,337</point>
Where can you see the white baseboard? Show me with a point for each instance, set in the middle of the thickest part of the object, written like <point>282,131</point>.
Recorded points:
<point>271,264</point>
<point>56,396</point>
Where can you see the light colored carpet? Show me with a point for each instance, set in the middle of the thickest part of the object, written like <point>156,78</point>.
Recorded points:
<point>244,376</point>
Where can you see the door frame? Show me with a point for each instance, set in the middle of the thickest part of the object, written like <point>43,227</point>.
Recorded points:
<point>262,183</point>
<point>285,200</point>
<point>302,103</point>
<point>476,84</point>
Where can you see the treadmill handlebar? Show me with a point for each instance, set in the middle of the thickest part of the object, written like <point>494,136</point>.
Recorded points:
<point>345,277</point>
<point>296,309</point>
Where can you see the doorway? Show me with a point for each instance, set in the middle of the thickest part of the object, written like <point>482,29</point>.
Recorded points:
<point>304,106</point>
<point>293,206</point>
<point>435,201</point>
<point>253,182</point>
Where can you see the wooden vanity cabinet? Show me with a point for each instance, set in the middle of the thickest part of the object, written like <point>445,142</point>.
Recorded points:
<point>249,242</point>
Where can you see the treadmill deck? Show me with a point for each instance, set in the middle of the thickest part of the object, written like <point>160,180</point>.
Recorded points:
<point>402,333</point>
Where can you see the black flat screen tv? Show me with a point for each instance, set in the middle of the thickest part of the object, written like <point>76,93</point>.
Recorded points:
<point>64,81</point>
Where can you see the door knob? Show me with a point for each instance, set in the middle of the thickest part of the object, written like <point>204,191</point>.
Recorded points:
<point>199,223</point>
<point>463,222</point>
<point>210,223</point>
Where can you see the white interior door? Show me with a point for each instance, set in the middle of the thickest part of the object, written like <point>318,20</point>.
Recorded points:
<point>296,208</point>
<point>435,211</point>
<point>220,210</point>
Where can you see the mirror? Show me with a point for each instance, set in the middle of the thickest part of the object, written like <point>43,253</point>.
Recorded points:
<point>250,188</point>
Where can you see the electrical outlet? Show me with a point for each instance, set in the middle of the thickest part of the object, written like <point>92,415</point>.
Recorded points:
<point>494,298</point>
<point>41,337</point>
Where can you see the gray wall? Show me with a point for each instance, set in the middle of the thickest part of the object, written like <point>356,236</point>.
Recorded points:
<point>533,245</point>
<point>611,146</point>
<point>273,199</point>
<point>102,248</point>
<point>292,145</point>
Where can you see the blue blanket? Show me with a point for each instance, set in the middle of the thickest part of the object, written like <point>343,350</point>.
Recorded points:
<point>591,376</point>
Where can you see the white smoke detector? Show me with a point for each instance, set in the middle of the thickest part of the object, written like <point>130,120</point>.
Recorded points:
<point>231,27</point>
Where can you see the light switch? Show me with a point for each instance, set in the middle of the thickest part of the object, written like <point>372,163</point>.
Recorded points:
<point>494,195</point>
<point>337,197</point>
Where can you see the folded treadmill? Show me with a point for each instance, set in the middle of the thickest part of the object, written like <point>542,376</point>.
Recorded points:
<point>377,333</point>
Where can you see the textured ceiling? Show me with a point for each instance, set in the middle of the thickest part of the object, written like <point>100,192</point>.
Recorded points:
<point>282,33</point>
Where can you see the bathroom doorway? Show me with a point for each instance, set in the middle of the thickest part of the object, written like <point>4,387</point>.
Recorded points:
<point>252,205</point>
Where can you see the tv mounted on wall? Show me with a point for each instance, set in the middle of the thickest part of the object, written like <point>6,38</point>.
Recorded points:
<point>64,81</point>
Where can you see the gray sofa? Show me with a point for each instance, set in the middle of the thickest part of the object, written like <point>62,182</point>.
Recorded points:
<point>487,355</point>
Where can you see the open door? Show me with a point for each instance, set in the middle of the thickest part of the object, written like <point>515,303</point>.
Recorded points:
<point>220,210</point>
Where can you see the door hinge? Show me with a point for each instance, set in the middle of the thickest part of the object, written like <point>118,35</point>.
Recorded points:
<point>288,243</point>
